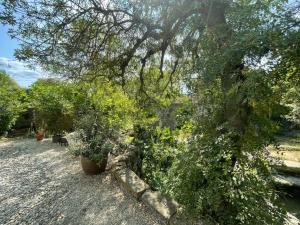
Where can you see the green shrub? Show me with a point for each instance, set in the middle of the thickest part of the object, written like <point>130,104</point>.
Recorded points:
<point>11,102</point>
<point>105,111</point>
<point>53,105</point>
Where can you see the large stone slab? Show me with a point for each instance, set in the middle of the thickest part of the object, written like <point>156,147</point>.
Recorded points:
<point>131,182</point>
<point>163,205</point>
<point>289,181</point>
<point>113,166</point>
<point>289,167</point>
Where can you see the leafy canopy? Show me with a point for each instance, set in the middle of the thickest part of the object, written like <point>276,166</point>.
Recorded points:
<point>53,104</point>
<point>12,99</point>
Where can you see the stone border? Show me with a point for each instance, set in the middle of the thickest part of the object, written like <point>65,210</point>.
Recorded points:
<point>288,167</point>
<point>166,207</point>
<point>155,200</point>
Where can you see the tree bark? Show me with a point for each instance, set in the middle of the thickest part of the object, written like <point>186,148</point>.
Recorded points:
<point>236,110</point>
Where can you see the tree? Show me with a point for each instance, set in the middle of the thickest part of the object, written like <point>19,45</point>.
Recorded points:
<point>215,45</point>
<point>286,53</point>
<point>11,102</point>
<point>53,104</point>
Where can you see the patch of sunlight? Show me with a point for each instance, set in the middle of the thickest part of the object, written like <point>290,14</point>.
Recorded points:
<point>289,148</point>
<point>286,155</point>
<point>3,139</point>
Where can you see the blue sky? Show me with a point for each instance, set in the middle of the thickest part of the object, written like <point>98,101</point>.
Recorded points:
<point>17,70</point>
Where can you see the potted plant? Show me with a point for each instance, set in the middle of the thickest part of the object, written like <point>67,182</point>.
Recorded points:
<point>40,135</point>
<point>94,159</point>
<point>95,135</point>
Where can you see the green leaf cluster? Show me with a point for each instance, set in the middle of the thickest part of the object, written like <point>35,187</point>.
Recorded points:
<point>12,102</point>
<point>53,104</point>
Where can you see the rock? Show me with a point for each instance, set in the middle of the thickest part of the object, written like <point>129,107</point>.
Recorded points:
<point>116,163</point>
<point>116,166</point>
<point>289,167</point>
<point>131,182</point>
<point>292,220</point>
<point>163,205</point>
<point>121,158</point>
<point>287,180</point>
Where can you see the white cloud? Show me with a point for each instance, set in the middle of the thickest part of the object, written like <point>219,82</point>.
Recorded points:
<point>20,72</point>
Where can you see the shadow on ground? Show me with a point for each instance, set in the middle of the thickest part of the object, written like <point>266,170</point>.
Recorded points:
<point>40,183</point>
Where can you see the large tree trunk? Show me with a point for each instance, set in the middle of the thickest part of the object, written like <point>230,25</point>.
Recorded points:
<point>236,110</point>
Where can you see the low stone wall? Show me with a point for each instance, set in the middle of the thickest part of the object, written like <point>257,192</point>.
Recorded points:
<point>288,181</point>
<point>131,182</point>
<point>155,200</point>
<point>288,167</point>
<point>166,207</point>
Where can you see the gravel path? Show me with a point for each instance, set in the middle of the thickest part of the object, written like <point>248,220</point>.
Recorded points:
<point>40,183</point>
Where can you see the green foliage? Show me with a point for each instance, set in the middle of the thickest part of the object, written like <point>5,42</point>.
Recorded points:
<point>159,145</point>
<point>105,111</point>
<point>203,181</point>
<point>223,173</point>
<point>53,104</point>
<point>292,100</point>
<point>159,154</point>
<point>95,134</point>
<point>213,170</point>
<point>113,103</point>
<point>212,51</point>
<point>12,103</point>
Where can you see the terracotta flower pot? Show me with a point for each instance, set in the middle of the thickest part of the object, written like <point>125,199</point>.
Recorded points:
<point>91,168</point>
<point>40,136</point>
